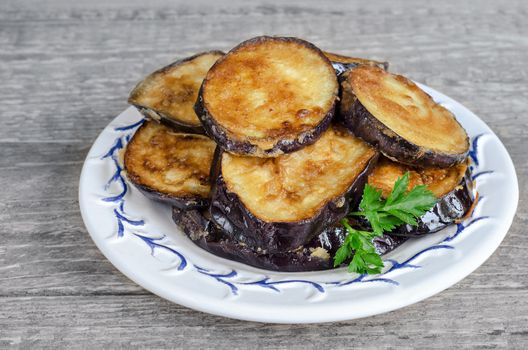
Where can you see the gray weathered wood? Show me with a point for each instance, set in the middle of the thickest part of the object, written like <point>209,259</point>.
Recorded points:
<point>66,69</point>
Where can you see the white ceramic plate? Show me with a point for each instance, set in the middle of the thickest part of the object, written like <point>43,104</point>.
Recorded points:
<point>140,239</point>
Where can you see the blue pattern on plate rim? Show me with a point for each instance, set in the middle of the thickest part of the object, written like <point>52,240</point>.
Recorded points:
<point>121,216</point>
<point>125,223</point>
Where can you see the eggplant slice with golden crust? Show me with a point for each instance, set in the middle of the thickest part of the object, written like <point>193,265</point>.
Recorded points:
<point>394,115</point>
<point>278,204</point>
<point>168,95</point>
<point>315,255</point>
<point>170,167</point>
<point>268,96</point>
<point>343,63</point>
<point>452,186</point>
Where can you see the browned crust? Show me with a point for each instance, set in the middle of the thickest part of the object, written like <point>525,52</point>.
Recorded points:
<point>440,181</point>
<point>367,127</point>
<point>229,212</point>
<point>284,142</point>
<point>274,189</point>
<point>180,200</point>
<point>229,143</point>
<point>169,120</point>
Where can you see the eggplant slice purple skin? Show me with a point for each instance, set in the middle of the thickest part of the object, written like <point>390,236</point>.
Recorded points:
<point>358,120</point>
<point>208,236</point>
<point>229,213</point>
<point>354,116</point>
<point>186,203</point>
<point>171,121</point>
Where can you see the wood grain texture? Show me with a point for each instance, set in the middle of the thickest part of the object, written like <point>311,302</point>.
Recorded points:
<point>66,70</point>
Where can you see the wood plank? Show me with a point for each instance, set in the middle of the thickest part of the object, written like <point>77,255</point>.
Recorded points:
<point>66,70</point>
<point>150,322</point>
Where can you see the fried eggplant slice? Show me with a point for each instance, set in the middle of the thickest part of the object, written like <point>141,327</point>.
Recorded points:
<point>170,167</point>
<point>315,255</point>
<point>279,204</point>
<point>452,186</point>
<point>268,96</point>
<point>394,115</point>
<point>168,95</point>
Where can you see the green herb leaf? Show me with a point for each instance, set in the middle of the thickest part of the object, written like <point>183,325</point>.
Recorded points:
<point>415,202</point>
<point>371,199</point>
<point>384,215</point>
<point>358,245</point>
<point>342,254</point>
<point>389,222</point>
<point>374,219</point>
<point>399,189</point>
<point>403,216</point>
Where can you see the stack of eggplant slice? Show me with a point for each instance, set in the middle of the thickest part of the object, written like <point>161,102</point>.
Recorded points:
<point>263,150</point>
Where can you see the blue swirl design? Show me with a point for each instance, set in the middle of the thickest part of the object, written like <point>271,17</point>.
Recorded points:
<point>153,243</point>
<point>361,279</point>
<point>121,216</point>
<point>473,152</point>
<point>229,279</point>
<point>264,282</point>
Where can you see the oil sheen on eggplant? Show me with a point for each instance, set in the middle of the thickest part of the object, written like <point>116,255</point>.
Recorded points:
<point>393,114</point>
<point>168,95</point>
<point>453,186</point>
<point>170,167</point>
<point>315,255</point>
<point>279,204</point>
<point>343,63</point>
<point>268,96</point>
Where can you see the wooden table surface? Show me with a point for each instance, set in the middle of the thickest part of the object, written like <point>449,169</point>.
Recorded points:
<point>66,68</point>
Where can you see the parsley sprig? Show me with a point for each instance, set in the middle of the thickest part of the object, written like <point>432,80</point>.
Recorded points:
<point>384,215</point>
